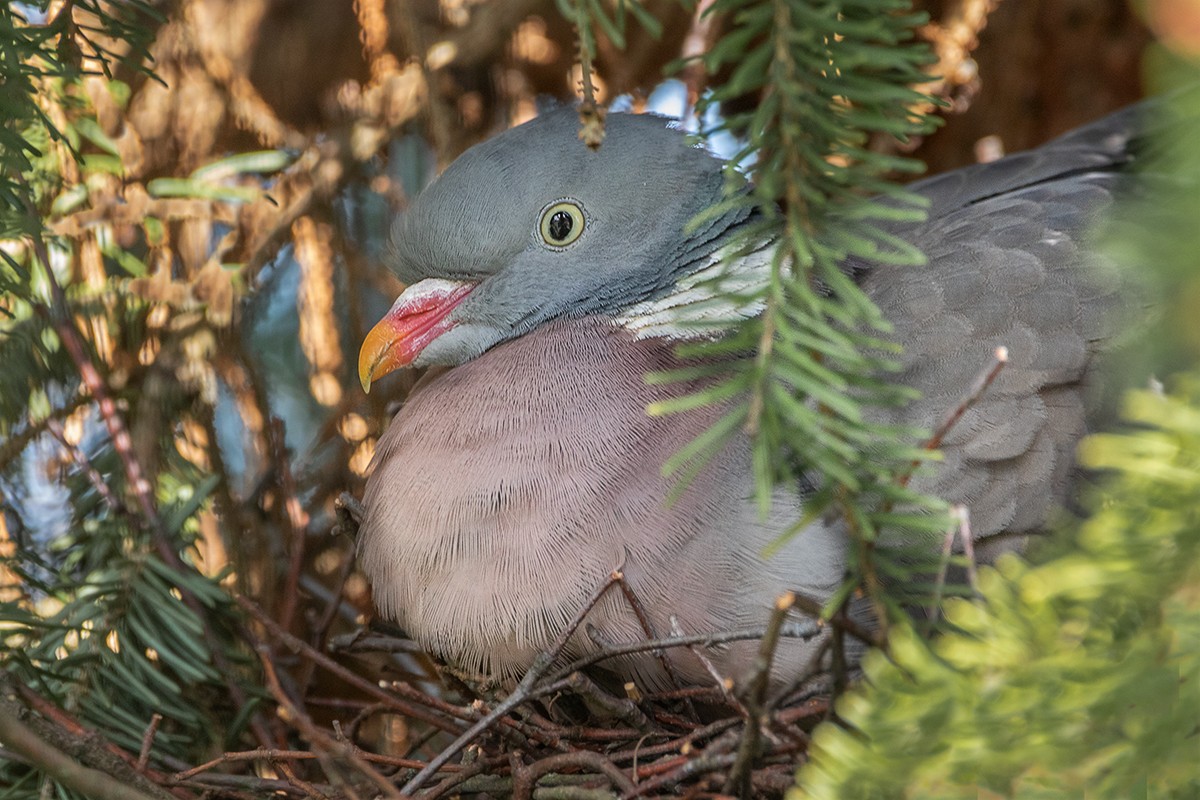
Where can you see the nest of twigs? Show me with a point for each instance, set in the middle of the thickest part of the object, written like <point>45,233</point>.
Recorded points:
<point>566,730</point>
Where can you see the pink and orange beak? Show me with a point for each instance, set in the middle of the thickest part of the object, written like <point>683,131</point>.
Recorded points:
<point>418,316</point>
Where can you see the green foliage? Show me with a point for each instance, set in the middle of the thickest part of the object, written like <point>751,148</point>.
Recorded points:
<point>1079,675</point>
<point>828,78</point>
<point>35,57</point>
<point>586,12</point>
<point>106,615</point>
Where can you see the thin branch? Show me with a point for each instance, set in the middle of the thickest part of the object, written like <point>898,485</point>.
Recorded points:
<point>148,742</point>
<point>64,769</point>
<point>266,754</point>
<point>969,398</point>
<point>591,114</point>
<point>797,630</point>
<point>644,620</point>
<point>291,514</point>
<point>522,693</point>
<point>84,464</point>
<point>340,751</point>
<point>755,696</point>
<point>583,760</point>
<point>362,684</point>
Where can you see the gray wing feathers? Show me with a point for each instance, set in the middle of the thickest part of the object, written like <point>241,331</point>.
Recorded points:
<point>1008,265</point>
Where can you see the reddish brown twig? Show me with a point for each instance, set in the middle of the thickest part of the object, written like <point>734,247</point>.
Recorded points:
<point>755,697</point>
<point>970,397</point>
<point>362,684</point>
<point>336,750</point>
<point>292,515</point>
<point>148,742</point>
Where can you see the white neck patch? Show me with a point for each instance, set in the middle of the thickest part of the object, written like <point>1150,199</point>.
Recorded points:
<point>707,302</point>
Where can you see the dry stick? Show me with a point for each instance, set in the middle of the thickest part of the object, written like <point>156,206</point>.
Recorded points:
<point>59,314</point>
<point>871,578</point>
<point>522,693</point>
<point>457,779</point>
<point>959,518</point>
<point>689,767</point>
<point>643,619</point>
<point>697,42</point>
<point>968,541</point>
<point>980,385</point>
<point>56,716</point>
<point>738,779</point>
<point>622,708</point>
<point>801,631</point>
<point>674,745</point>
<point>148,741</point>
<point>307,787</point>
<point>517,729</point>
<point>357,681</point>
<point>85,465</point>
<point>725,684</point>
<point>321,630</point>
<point>585,759</point>
<point>268,754</point>
<point>62,768</point>
<point>319,738</point>
<point>224,786</point>
<point>811,670</point>
<point>814,609</point>
<point>292,516</point>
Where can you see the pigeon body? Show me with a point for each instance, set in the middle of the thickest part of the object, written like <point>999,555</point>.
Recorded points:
<point>547,279</point>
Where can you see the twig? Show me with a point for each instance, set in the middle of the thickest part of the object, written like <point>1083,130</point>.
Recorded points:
<point>85,466</point>
<point>643,619</point>
<point>320,630</point>
<point>584,760</point>
<point>801,631</point>
<point>98,785</point>
<point>689,767</point>
<point>266,754</point>
<point>591,115</point>
<point>319,738</point>
<point>148,742</point>
<point>968,539</point>
<point>355,680</point>
<point>291,514</point>
<point>621,708</point>
<point>349,509</point>
<point>813,608</point>
<point>360,641</point>
<point>725,683</point>
<point>755,695</point>
<point>310,789</point>
<point>974,392</point>
<point>697,42</point>
<point>59,315</point>
<point>524,689</point>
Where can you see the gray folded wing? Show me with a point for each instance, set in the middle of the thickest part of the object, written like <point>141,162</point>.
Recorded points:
<point>1009,264</point>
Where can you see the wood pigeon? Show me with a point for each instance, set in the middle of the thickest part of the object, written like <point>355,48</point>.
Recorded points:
<point>545,280</point>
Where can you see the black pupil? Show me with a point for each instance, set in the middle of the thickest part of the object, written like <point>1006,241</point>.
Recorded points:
<point>560,225</point>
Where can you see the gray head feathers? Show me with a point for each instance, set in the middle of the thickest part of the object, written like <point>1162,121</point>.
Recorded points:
<point>482,221</point>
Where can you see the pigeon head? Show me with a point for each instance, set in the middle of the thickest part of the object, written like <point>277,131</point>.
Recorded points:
<point>532,225</point>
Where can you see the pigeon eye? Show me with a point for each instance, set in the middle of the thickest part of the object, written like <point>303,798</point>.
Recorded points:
<point>562,223</point>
